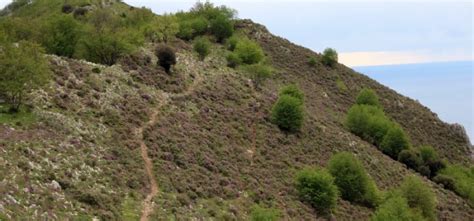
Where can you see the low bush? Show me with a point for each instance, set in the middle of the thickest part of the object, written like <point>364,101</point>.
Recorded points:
<point>292,90</point>
<point>261,213</point>
<point>166,57</point>
<point>353,182</point>
<point>312,61</point>
<point>447,181</point>
<point>287,113</point>
<point>233,60</point>
<point>411,158</point>
<point>231,43</point>
<point>394,141</point>
<point>202,46</point>
<point>368,122</point>
<point>368,97</point>
<point>463,179</point>
<point>63,36</point>
<point>317,188</point>
<point>248,52</point>
<point>329,57</point>
<point>258,73</point>
<point>104,48</point>
<point>395,208</point>
<point>419,196</point>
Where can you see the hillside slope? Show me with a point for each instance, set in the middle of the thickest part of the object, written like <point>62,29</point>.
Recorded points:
<point>205,129</point>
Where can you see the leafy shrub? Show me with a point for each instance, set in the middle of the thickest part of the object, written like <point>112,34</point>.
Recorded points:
<point>394,141</point>
<point>329,57</point>
<point>411,158</point>
<point>63,35</point>
<point>189,29</point>
<point>447,181</point>
<point>260,213</point>
<point>395,208</point>
<point>166,27</point>
<point>463,179</point>
<point>368,122</point>
<point>202,47</point>
<point>231,43</point>
<point>23,67</point>
<point>166,57</point>
<point>287,113</point>
<point>222,28</point>
<point>258,73</point>
<point>248,51</point>
<point>292,90</point>
<point>419,196</point>
<point>353,182</point>
<point>312,61</point>
<point>368,97</point>
<point>233,60</point>
<point>428,154</point>
<point>18,29</point>
<point>317,188</point>
<point>104,48</point>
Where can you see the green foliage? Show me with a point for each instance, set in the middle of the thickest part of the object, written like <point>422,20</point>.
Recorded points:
<point>318,189</point>
<point>312,61</point>
<point>23,68</point>
<point>419,196</point>
<point>368,97</point>
<point>292,90</point>
<point>329,57</point>
<point>368,122</point>
<point>62,36</point>
<point>394,141</point>
<point>428,154</point>
<point>261,213</point>
<point>166,27</point>
<point>190,28</point>
<point>258,73</point>
<point>202,46</point>
<point>222,28</point>
<point>18,29</point>
<point>411,158</point>
<point>166,57</point>
<point>233,60</point>
<point>354,183</point>
<point>395,208</point>
<point>287,113</point>
<point>248,52</point>
<point>463,180</point>
<point>231,42</point>
<point>445,180</point>
<point>103,47</point>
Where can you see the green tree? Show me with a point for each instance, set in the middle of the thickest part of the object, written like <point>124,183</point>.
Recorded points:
<point>103,47</point>
<point>394,141</point>
<point>261,213</point>
<point>167,27</point>
<point>202,46</point>
<point>258,73</point>
<point>222,28</point>
<point>287,113</point>
<point>317,188</point>
<point>329,57</point>
<point>248,51</point>
<point>23,67</point>
<point>354,183</point>
<point>62,36</point>
<point>369,97</point>
<point>419,196</point>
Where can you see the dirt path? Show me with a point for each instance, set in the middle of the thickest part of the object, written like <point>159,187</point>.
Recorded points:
<point>148,204</point>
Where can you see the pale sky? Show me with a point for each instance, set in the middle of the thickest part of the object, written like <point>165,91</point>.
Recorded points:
<point>363,32</point>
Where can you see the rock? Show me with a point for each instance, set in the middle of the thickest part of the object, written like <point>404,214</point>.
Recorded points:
<point>55,185</point>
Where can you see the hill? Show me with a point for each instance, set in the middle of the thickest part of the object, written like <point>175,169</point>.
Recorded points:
<point>119,141</point>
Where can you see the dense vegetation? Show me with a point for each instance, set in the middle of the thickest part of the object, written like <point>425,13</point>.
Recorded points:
<point>288,111</point>
<point>318,189</point>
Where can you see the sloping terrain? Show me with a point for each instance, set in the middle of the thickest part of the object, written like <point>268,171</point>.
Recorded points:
<point>96,140</point>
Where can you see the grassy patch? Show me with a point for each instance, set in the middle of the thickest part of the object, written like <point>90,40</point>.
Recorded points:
<point>24,117</point>
<point>130,209</point>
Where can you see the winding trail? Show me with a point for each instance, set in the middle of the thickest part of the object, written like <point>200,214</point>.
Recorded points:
<point>148,204</point>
